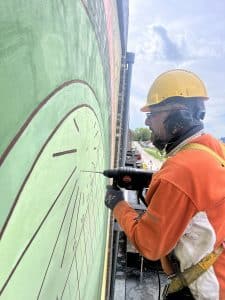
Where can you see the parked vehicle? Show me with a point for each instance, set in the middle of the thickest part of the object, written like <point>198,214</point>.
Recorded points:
<point>130,159</point>
<point>138,158</point>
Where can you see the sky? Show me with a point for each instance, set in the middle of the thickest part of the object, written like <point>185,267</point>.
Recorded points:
<point>170,34</point>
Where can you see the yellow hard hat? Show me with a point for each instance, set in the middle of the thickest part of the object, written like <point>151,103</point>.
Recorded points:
<point>175,83</point>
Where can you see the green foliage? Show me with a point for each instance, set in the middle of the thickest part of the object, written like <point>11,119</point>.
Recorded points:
<point>155,153</point>
<point>141,134</point>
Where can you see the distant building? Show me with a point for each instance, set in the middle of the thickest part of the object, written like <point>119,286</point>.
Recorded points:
<point>222,139</point>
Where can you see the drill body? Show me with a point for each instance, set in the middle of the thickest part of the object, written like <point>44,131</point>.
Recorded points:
<point>130,179</point>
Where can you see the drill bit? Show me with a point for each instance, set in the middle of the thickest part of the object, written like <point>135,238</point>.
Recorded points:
<point>92,171</point>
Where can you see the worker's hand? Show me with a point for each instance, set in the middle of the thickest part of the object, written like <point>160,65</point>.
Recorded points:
<point>113,196</point>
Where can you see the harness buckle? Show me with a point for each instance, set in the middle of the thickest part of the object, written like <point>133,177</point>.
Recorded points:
<point>167,285</point>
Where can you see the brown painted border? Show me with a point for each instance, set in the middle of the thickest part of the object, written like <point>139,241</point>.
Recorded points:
<point>36,110</point>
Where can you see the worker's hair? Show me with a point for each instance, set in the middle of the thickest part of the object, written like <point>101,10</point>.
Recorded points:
<point>195,105</point>
<point>184,115</point>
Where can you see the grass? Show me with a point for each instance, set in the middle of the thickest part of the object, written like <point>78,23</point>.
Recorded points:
<point>155,153</point>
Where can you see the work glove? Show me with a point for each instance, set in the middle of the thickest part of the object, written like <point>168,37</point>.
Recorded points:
<point>113,196</point>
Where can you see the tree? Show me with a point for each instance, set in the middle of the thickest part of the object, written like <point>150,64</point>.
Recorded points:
<point>141,134</point>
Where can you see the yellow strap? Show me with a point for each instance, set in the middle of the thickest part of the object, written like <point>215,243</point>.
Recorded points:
<point>197,146</point>
<point>192,273</point>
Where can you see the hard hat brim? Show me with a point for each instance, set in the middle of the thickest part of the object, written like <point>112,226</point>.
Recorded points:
<point>147,107</point>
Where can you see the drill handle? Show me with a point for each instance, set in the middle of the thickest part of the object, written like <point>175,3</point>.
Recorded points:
<point>115,183</point>
<point>141,197</point>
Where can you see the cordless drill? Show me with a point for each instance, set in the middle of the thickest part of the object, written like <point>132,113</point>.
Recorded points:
<point>129,178</point>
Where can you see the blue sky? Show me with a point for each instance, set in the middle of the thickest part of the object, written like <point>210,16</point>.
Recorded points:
<point>168,34</point>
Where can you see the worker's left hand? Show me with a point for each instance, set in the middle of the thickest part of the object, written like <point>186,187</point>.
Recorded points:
<point>113,196</point>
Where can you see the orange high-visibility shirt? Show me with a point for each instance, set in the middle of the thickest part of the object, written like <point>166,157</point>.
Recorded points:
<point>186,213</point>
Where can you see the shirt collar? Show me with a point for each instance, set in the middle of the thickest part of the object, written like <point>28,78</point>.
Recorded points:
<point>184,142</point>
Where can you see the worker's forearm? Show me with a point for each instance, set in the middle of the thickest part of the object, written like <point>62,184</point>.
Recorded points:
<point>124,214</point>
<point>142,234</point>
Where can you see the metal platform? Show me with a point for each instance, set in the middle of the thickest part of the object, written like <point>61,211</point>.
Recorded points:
<point>132,288</point>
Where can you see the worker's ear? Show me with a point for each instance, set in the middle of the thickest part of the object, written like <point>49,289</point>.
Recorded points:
<point>200,115</point>
<point>177,121</point>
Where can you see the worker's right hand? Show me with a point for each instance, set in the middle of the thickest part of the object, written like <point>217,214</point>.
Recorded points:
<point>113,196</point>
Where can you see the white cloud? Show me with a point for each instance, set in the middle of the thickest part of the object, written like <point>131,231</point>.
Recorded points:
<point>156,44</point>
<point>215,117</point>
<point>178,34</point>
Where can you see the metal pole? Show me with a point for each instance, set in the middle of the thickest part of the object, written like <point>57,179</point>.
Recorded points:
<point>126,104</point>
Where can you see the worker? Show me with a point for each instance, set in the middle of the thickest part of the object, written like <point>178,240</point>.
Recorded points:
<point>185,215</point>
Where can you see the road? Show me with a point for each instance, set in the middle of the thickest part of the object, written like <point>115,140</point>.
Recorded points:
<point>156,164</point>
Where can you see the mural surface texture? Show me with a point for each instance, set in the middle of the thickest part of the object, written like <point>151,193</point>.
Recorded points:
<point>59,78</point>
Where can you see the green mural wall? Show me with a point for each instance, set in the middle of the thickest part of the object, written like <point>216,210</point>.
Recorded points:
<point>57,68</point>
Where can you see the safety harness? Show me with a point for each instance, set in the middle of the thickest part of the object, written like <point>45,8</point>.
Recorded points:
<point>180,280</point>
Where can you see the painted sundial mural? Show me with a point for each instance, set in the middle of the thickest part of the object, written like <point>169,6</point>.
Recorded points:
<point>58,209</point>
<point>52,217</point>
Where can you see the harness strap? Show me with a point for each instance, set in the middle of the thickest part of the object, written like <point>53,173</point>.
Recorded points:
<point>197,146</point>
<point>192,273</point>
